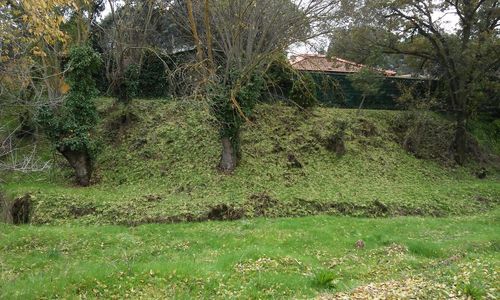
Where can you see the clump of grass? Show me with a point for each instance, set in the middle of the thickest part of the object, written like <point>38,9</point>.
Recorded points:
<point>475,290</point>
<point>324,279</point>
<point>425,249</point>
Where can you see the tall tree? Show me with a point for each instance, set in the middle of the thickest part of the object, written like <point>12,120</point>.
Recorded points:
<point>70,126</point>
<point>464,57</point>
<point>40,32</point>
<point>467,58</point>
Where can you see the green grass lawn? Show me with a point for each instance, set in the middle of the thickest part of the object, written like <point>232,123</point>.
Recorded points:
<point>432,258</point>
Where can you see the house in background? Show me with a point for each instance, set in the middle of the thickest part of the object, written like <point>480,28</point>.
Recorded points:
<point>321,63</point>
<point>334,88</point>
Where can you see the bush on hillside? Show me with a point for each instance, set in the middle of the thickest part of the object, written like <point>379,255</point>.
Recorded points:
<point>153,79</point>
<point>423,135</point>
<point>279,78</point>
<point>303,92</point>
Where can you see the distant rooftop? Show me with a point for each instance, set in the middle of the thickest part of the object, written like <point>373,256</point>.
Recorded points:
<point>321,63</point>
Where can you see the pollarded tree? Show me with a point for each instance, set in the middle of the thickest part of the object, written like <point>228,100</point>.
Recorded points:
<point>70,127</point>
<point>236,41</point>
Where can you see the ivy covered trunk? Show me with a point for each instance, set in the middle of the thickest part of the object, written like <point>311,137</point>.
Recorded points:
<point>232,104</point>
<point>229,122</point>
<point>81,162</point>
<point>229,133</point>
<point>70,126</point>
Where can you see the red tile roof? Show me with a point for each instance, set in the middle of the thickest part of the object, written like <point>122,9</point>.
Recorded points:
<point>320,63</point>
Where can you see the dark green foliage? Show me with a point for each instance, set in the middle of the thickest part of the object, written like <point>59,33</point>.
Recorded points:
<point>132,77</point>
<point>100,77</point>
<point>70,125</point>
<point>153,80</point>
<point>282,81</point>
<point>280,78</point>
<point>337,90</point>
<point>368,82</point>
<point>126,86</point>
<point>304,91</point>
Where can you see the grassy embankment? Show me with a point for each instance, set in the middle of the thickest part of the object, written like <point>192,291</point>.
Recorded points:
<point>161,168</point>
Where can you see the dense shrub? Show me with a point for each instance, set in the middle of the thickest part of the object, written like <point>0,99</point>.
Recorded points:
<point>303,92</point>
<point>153,79</point>
<point>424,135</point>
<point>282,81</point>
<point>279,78</point>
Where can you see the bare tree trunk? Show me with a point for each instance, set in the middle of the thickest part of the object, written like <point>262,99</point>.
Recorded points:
<point>194,31</point>
<point>81,162</point>
<point>361,104</point>
<point>208,29</point>
<point>229,155</point>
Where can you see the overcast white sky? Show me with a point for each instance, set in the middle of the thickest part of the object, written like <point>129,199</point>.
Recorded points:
<point>449,21</point>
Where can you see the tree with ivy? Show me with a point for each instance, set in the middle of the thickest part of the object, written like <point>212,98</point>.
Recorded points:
<point>70,126</point>
<point>366,81</point>
<point>230,119</point>
<point>235,43</point>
